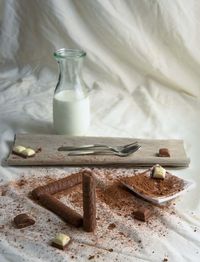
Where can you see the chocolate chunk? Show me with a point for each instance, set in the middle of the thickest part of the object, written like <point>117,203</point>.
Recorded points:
<point>61,241</point>
<point>59,246</point>
<point>28,152</point>
<point>23,220</point>
<point>142,214</point>
<point>164,152</point>
<point>23,151</point>
<point>158,172</point>
<point>89,201</point>
<point>19,149</point>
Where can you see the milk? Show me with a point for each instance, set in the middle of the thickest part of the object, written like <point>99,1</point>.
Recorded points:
<point>71,114</point>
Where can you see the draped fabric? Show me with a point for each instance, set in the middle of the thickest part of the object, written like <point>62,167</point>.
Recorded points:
<point>142,67</point>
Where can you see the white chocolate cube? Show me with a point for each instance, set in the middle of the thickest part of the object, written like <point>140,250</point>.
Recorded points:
<point>18,149</point>
<point>61,239</point>
<point>28,152</point>
<point>158,172</point>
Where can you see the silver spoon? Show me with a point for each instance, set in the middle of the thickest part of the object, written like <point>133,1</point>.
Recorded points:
<point>98,146</point>
<point>123,153</point>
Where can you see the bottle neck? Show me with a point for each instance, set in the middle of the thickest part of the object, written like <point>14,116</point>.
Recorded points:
<point>70,71</point>
<point>70,64</point>
<point>70,78</point>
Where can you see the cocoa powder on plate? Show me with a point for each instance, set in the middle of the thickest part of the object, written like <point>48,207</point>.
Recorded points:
<point>145,184</point>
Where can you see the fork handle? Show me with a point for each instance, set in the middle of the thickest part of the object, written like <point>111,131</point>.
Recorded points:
<point>75,148</point>
<point>82,153</point>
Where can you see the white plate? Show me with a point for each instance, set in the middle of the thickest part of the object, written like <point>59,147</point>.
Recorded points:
<point>188,185</point>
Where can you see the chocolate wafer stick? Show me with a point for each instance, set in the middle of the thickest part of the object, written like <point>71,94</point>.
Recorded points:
<point>89,201</point>
<point>66,213</point>
<point>58,185</point>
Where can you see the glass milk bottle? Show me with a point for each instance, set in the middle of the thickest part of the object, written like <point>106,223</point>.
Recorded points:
<point>71,109</point>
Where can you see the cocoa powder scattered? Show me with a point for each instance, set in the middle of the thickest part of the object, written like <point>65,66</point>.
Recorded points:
<point>118,198</point>
<point>21,182</point>
<point>115,203</point>
<point>145,184</point>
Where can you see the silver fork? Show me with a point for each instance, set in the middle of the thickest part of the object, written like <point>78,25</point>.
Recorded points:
<point>98,146</point>
<point>122,153</point>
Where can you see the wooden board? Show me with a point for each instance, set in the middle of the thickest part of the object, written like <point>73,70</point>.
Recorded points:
<point>50,156</point>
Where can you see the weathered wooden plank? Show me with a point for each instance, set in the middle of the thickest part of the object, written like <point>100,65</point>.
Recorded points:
<point>49,155</point>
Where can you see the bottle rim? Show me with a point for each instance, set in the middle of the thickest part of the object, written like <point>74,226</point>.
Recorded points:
<point>69,53</point>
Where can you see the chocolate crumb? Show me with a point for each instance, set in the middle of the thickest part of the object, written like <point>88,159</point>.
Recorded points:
<point>111,226</point>
<point>39,149</point>
<point>165,259</point>
<point>21,182</point>
<point>110,250</point>
<point>91,257</point>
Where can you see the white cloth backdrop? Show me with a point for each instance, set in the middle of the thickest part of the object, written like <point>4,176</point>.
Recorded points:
<point>143,68</point>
